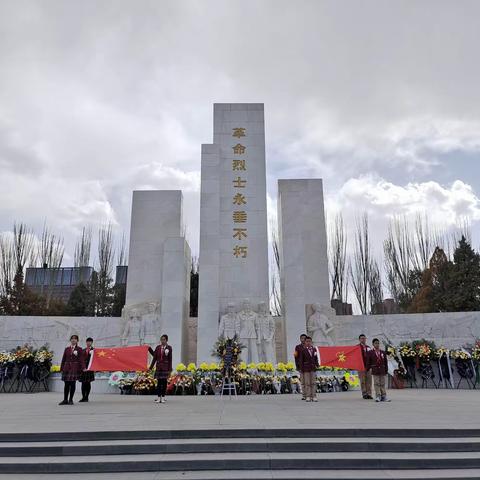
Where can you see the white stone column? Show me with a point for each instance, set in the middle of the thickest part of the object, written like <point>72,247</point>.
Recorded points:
<point>303,253</point>
<point>176,295</point>
<point>159,268</point>
<point>233,261</point>
<point>156,215</point>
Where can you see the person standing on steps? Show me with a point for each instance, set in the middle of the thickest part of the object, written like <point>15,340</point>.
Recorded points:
<point>296,354</point>
<point>72,366</point>
<point>366,375</point>
<point>162,360</point>
<point>308,366</point>
<point>87,377</point>
<point>378,363</point>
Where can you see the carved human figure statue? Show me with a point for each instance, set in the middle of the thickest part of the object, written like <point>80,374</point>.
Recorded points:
<point>248,335</point>
<point>134,327</point>
<point>319,326</point>
<point>265,327</point>
<point>140,321</point>
<point>229,325</point>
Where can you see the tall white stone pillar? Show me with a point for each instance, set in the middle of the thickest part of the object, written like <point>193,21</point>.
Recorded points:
<point>303,253</point>
<point>233,261</point>
<point>158,280</point>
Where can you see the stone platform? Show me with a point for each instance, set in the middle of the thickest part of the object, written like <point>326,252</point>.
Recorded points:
<point>421,434</point>
<point>408,409</point>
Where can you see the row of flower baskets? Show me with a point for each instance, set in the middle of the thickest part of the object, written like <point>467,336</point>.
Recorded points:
<point>26,354</point>
<point>426,350</point>
<point>252,378</point>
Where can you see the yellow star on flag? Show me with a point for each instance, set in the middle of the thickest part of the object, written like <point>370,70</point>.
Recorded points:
<point>102,353</point>
<point>341,357</point>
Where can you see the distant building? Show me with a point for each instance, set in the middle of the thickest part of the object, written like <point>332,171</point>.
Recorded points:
<point>121,275</point>
<point>341,308</point>
<point>59,283</point>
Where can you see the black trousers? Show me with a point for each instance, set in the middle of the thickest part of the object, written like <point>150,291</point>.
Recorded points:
<point>86,387</point>
<point>69,391</point>
<point>161,387</point>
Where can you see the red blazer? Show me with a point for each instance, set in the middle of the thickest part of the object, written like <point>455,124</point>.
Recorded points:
<point>308,362</point>
<point>72,364</point>
<point>378,363</point>
<point>365,349</point>
<point>162,361</point>
<point>296,354</point>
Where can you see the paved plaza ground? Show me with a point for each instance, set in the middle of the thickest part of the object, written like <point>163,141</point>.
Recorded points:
<point>409,409</point>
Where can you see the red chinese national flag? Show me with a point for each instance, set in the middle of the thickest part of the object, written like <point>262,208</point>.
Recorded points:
<point>348,357</point>
<point>126,359</point>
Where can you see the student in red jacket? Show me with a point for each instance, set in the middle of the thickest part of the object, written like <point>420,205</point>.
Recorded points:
<point>365,376</point>
<point>162,359</point>
<point>72,366</point>
<point>378,364</point>
<point>308,362</point>
<point>296,354</point>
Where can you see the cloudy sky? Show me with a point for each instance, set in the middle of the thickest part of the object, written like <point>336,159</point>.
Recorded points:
<point>97,98</point>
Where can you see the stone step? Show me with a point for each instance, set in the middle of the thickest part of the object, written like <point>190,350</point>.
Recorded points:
<point>445,474</point>
<point>241,461</point>
<point>241,433</point>
<point>286,445</point>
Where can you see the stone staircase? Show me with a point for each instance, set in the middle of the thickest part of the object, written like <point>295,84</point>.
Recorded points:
<point>245,453</point>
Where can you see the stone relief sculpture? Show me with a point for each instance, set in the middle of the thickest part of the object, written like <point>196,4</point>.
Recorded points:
<point>320,325</point>
<point>248,335</point>
<point>141,323</point>
<point>265,327</point>
<point>229,326</point>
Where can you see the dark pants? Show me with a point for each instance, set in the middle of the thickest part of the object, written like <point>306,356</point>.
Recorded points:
<point>68,391</point>
<point>161,387</point>
<point>86,387</point>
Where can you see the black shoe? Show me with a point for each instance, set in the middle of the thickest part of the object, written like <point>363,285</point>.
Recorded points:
<point>83,400</point>
<point>63,402</point>
<point>70,402</point>
<point>369,397</point>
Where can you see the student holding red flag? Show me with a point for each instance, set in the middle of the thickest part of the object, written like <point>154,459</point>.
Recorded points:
<point>162,359</point>
<point>365,376</point>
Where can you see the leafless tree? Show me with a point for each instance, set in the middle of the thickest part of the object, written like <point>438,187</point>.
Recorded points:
<point>50,249</point>
<point>275,291</point>
<point>81,256</point>
<point>122,253</point>
<point>22,246</point>
<point>424,243</point>
<point>398,253</point>
<point>106,255</point>
<point>338,259</point>
<point>359,268</point>
<point>375,285</point>
<point>7,263</point>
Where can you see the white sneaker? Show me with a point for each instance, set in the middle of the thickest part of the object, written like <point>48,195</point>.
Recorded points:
<point>307,400</point>
<point>163,400</point>
<point>157,400</point>
<point>315,399</point>
<point>378,399</point>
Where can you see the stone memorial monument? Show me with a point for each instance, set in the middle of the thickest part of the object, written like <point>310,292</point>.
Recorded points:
<point>233,267</point>
<point>233,258</point>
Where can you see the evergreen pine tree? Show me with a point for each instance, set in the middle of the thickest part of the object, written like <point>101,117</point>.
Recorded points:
<point>464,291</point>
<point>79,303</point>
